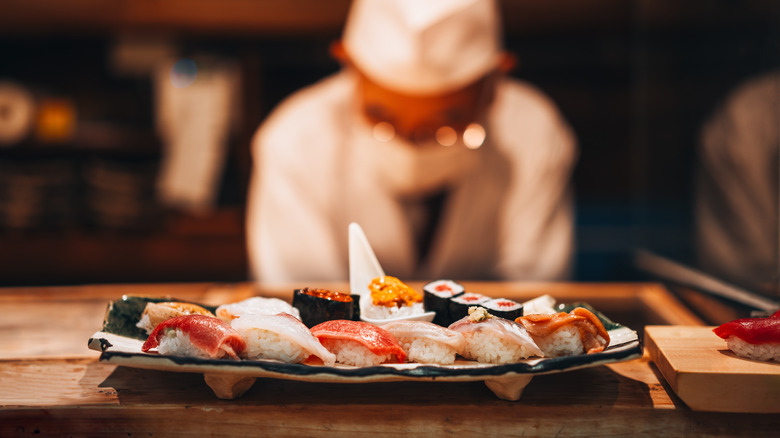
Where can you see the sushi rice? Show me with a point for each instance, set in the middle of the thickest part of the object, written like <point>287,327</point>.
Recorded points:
<point>353,353</point>
<point>565,341</point>
<point>177,343</point>
<point>265,344</point>
<point>484,347</point>
<point>766,351</point>
<point>385,312</point>
<point>427,351</point>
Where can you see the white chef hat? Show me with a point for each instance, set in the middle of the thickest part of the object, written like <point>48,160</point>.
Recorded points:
<point>423,47</point>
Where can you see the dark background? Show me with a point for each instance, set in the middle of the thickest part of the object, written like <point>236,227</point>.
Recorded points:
<point>636,80</point>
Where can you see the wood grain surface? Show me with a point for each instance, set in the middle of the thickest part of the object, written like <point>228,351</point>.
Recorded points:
<point>707,376</point>
<point>59,388</point>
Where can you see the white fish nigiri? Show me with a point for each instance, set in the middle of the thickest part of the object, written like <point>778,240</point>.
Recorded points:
<point>426,342</point>
<point>280,337</point>
<point>256,306</point>
<point>491,339</point>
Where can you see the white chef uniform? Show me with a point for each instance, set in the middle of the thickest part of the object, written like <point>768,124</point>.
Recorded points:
<point>507,210</point>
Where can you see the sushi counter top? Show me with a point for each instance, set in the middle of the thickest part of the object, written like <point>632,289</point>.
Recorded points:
<point>52,384</point>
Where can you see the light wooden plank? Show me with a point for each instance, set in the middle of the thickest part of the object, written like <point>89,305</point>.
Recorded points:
<point>707,376</point>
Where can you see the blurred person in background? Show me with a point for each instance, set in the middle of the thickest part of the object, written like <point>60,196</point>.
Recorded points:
<point>737,203</point>
<point>453,169</point>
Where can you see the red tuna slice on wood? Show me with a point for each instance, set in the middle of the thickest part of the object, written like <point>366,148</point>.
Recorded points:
<point>752,330</point>
<point>210,335</point>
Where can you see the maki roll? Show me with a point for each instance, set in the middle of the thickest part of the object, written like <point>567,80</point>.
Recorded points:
<point>459,306</point>
<point>437,295</point>
<point>320,305</point>
<point>504,308</point>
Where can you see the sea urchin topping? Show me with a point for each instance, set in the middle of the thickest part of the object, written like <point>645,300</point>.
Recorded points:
<point>391,292</point>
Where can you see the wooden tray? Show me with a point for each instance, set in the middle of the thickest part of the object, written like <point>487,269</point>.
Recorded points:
<point>707,376</point>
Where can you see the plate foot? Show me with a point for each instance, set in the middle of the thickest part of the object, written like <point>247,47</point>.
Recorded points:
<point>228,386</point>
<point>508,388</point>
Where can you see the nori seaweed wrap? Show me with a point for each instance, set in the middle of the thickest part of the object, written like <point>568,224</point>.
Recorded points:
<point>320,305</point>
<point>504,308</point>
<point>437,295</point>
<point>459,306</point>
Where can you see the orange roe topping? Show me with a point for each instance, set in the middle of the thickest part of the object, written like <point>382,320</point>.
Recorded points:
<point>389,291</point>
<point>327,294</point>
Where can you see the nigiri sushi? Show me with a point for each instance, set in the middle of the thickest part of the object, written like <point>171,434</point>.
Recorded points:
<point>155,313</point>
<point>753,338</point>
<point>426,342</point>
<point>280,337</point>
<point>566,334</point>
<point>490,339</point>
<point>358,343</point>
<point>256,305</point>
<point>197,336</point>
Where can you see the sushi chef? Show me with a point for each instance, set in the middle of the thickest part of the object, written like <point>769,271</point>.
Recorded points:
<point>452,169</point>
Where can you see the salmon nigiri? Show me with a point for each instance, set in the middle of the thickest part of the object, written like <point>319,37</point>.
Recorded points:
<point>195,335</point>
<point>358,343</point>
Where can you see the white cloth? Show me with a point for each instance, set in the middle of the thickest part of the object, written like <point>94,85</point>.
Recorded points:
<point>424,46</point>
<point>508,214</point>
<point>737,202</point>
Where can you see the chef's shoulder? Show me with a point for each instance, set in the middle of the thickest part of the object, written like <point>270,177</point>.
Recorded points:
<point>311,113</point>
<point>528,117</point>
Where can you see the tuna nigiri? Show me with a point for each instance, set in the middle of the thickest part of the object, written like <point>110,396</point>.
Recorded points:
<point>195,335</point>
<point>426,342</point>
<point>280,337</point>
<point>358,343</point>
<point>566,334</point>
<point>491,339</point>
<point>753,338</point>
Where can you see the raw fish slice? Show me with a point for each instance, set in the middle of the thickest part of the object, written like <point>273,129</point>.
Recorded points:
<point>427,330</point>
<point>752,330</point>
<point>256,306</point>
<point>288,328</point>
<point>426,342</point>
<point>209,335</point>
<point>155,313</point>
<point>375,339</point>
<point>565,334</point>
<point>509,339</point>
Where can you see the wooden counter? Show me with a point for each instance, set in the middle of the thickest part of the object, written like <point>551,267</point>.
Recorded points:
<point>51,384</point>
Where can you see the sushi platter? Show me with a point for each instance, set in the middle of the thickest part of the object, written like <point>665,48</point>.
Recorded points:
<point>707,376</point>
<point>120,344</point>
<point>381,331</point>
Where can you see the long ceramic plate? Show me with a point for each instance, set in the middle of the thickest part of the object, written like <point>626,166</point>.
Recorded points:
<point>120,343</point>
